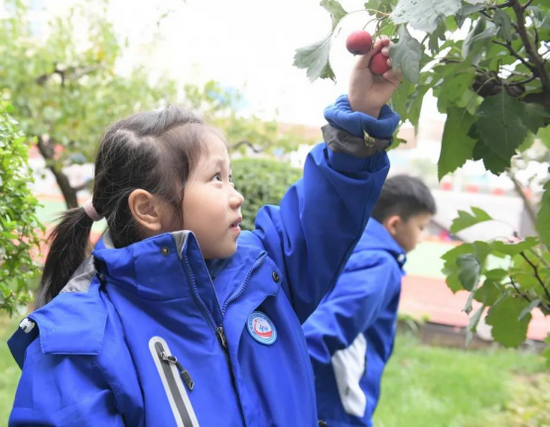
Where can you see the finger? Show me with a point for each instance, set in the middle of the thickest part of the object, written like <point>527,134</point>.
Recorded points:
<point>394,77</point>
<point>364,60</point>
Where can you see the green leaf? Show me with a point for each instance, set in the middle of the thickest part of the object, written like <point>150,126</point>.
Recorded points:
<point>335,9</point>
<point>466,11</point>
<point>491,160</point>
<point>527,310</point>
<point>534,117</point>
<point>500,123</point>
<point>451,269</point>
<point>469,271</point>
<point>466,219</point>
<point>472,326</point>
<point>406,53</point>
<point>504,24</point>
<point>481,31</point>
<point>456,145</point>
<point>503,317</point>
<point>515,248</point>
<point>315,58</point>
<point>488,293</point>
<point>543,217</point>
<point>456,91</point>
<point>544,136</point>
<point>424,15</point>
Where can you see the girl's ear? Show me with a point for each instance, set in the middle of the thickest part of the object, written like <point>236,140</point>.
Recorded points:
<point>392,224</point>
<point>146,211</point>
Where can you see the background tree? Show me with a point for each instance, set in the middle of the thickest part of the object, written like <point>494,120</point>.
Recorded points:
<point>20,229</point>
<point>487,63</point>
<point>261,182</point>
<point>66,90</point>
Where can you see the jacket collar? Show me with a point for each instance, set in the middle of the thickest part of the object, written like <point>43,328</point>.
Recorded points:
<point>376,237</point>
<point>167,266</point>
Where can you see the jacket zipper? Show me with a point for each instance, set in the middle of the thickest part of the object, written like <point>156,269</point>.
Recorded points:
<point>218,329</point>
<point>244,283</point>
<point>172,373</point>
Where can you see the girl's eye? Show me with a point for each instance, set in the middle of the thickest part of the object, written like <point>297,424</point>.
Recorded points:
<point>231,180</point>
<point>217,177</point>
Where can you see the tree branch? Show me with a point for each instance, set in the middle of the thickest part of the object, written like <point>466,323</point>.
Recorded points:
<point>523,82</point>
<point>540,69</point>
<point>526,5</point>
<point>47,151</point>
<point>518,291</point>
<point>527,203</point>
<point>516,55</point>
<point>536,270</point>
<point>500,6</point>
<point>255,149</point>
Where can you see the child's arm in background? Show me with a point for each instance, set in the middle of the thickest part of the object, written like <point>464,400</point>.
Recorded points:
<point>352,306</point>
<point>321,218</point>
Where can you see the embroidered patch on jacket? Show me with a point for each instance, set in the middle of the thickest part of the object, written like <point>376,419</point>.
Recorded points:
<point>261,328</point>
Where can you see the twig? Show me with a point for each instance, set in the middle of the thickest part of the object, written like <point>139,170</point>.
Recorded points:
<point>536,270</point>
<point>518,291</point>
<point>523,82</point>
<point>540,69</point>
<point>500,6</point>
<point>526,5</point>
<point>519,190</point>
<point>516,55</point>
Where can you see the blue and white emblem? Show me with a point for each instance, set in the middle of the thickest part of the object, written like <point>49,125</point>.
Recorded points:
<point>261,328</point>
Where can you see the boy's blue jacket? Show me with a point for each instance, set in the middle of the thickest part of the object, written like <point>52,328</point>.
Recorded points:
<point>350,336</point>
<point>149,335</point>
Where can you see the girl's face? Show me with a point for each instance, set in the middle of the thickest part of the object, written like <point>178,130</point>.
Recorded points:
<point>211,205</point>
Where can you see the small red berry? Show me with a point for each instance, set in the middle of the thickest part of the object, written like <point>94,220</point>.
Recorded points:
<point>359,42</point>
<point>379,63</point>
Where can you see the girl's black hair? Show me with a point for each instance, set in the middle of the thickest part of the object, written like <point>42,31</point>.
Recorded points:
<point>155,151</point>
<point>405,196</point>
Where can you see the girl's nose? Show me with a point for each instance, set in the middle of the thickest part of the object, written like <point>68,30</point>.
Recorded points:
<point>236,200</point>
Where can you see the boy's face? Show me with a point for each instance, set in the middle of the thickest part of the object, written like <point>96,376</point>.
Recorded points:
<point>408,233</point>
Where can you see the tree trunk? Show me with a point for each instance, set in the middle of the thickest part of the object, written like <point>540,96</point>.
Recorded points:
<point>69,193</point>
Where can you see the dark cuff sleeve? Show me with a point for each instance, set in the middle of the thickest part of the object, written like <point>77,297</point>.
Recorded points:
<point>341,116</point>
<point>340,141</point>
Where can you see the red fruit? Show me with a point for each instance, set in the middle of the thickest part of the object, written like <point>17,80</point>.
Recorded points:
<point>379,64</point>
<point>359,42</point>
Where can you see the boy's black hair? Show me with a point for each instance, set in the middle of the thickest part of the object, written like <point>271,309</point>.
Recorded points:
<point>405,196</point>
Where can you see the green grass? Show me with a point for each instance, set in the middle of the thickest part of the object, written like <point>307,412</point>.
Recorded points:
<point>423,386</point>
<point>9,371</point>
<point>443,387</point>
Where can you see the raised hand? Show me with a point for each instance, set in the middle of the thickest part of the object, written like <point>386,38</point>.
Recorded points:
<point>369,92</point>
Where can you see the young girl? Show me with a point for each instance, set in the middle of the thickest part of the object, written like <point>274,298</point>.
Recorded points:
<point>178,318</point>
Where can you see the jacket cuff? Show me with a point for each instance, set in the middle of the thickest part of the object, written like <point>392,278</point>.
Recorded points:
<point>340,141</point>
<point>341,116</point>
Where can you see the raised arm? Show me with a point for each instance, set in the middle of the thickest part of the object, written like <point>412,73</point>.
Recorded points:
<point>320,219</point>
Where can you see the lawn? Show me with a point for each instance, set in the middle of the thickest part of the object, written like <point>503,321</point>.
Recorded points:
<point>428,386</point>
<point>423,387</point>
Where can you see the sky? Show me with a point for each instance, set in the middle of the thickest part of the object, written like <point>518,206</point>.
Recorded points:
<point>246,44</point>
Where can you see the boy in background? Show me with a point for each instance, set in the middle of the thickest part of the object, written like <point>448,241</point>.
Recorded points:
<point>351,334</point>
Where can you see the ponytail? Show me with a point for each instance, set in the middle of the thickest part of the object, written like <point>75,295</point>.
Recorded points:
<point>155,151</point>
<point>70,245</point>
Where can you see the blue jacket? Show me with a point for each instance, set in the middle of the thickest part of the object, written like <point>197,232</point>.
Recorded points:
<point>150,334</point>
<point>350,336</point>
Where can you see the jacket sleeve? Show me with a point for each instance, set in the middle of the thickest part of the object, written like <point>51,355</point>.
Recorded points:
<point>59,390</point>
<point>351,307</point>
<point>321,217</point>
